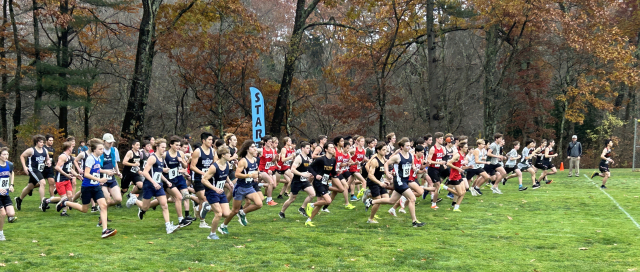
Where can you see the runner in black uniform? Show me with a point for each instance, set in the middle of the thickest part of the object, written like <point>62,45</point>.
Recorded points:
<point>319,151</point>
<point>547,165</point>
<point>33,162</point>
<point>301,178</point>
<point>322,169</point>
<point>47,173</point>
<point>605,161</point>
<point>201,159</point>
<point>375,173</point>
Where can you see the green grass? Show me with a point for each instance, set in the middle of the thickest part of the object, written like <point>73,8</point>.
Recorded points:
<point>547,230</point>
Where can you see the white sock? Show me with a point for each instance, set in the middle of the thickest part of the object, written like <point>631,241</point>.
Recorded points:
<point>456,206</point>
<point>213,233</point>
<point>312,206</point>
<point>445,187</point>
<point>308,219</point>
<point>1,232</point>
<point>433,203</point>
<point>180,219</point>
<point>168,224</point>
<point>241,212</point>
<point>268,198</point>
<point>432,197</point>
<point>223,225</point>
<point>392,209</point>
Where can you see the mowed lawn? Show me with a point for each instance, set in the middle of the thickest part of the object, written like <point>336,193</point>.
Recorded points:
<point>569,225</point>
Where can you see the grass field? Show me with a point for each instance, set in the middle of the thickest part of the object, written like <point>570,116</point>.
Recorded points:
<point>534,230</point>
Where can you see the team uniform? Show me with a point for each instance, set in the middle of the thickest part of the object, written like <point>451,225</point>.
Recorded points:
<point>148,190</point>
<point>476,168</point>
<point>63,183</point>
<point>510,166</point>
<point>376,189</point>
<point>444,172</point>
<point>284,166</point>
<point>245,186</point>
<point>203,163</point>
<point>495,162</point>
<point>455,177</point>
<point>5,183</point>
<point>525,163</point>
<point>434,169</point>
<point>604,164</point>
<point>47,172</point>
<point>299,183</point>
<point>219,179</point>
<point>130,173</point>
<point>109,161</point>
<point>358,158</point>
<point>326,168</point>
<point>546,162</point>
<point>403,172</point>
<point>342,168</point>
<point>36,165</point>
<point>539,159</point>
<point>90,189</point>
<point>417,163</point>
<point>174,176</point>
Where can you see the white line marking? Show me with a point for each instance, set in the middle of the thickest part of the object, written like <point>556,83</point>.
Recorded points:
<point>614,201</point>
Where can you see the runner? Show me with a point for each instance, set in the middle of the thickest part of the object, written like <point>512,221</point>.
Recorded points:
<point>419,165</point>
<point>358,157</point>
<point>65,174</point>
<point>510,166</point>
<point>33,162</point>
<point>174,159</point>
<point>539,159</point>
<point>246,173</point>
<point>300,182</point>
<point>605,161</point>
<point>216,198</point>
<point>375,172</point>
<point>403,163</point>
<point>457,164</point>
<point>547,165</point>
<point>528,152</point>
<point>436,153</point>
<point>153,173</point>
<point>391,141</point>
<point>47,173</point>
<point>110,158</point>
<point>494,167</point>
<point>201,159</point>
<point>284,165</point>
<point>6,187</point>
<point>339,181</point>
<point>322,169</point>
<point>131,173</point>
<point>91,187</point>
<point>319,150</point>
<point>267,166</point>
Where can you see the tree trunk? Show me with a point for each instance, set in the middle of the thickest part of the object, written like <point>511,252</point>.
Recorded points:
<point>133,125</point>
<point>38,58</point>
<point>64,61</point>
<point>87,109</point>
<point>489,88</point>
<point>5,78</point>
<point>17,113</point>
<point>434,114</point>
<point>559,146</point>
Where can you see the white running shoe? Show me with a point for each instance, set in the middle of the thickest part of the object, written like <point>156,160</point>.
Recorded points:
<point>204,225</point>
<point>172,228</point>
<point>2,238</point>
<point>392,211</point>
<point>401,210</point>
<point>498,191</point>
<point>131,201</point>
<point>326,210</point>
<point>402,200</point>
<point>473,191</point>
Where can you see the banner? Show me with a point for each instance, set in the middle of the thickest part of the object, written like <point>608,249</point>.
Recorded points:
<point>257,114</point>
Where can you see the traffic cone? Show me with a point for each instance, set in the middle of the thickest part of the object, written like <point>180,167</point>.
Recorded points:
<point>561,166</point>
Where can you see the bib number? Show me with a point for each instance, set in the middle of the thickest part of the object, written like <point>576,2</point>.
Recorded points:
<point>95,175</point>
<point>157,177</point>
<point>4,183</point>
<point>135,169</point>
<point>220,184</point>
<point>41,167</point>
<point>287,163</point>
<point>438,161</point>
<point>406,170</point>
<point>268,165</point>
<point>325,178</point>
<point>303,179</point>
<point>107,176</point>
<point>173,173</point>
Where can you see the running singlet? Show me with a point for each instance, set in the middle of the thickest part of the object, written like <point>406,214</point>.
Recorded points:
<point>546,160</point>
<point>416,166</point>
<point>437,157</point>
<point>157,170</point>
<point>379,171</point>
<point>50,150</point>
<point>266,160</point>
<point>325,168</point>
<point>37,160</point>
<point>403,171</point>
<point>94,169</point>
<point>173,164</point>
<point>447,156</point>
<point>247,182</point>
<point>525,154</point>
<point>302,168</point>
<point>132,169</point>
<point>203,163</point>
<point>5,176</point>
<point>455,174</point>
<point>605,163</point>
<point>357,157</point>
<point>287,164</point>
<point>66,167</point>
<point>342,162</point>
<point>220,176</point>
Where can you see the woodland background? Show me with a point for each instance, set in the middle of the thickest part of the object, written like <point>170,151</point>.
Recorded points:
<point>526,68</point>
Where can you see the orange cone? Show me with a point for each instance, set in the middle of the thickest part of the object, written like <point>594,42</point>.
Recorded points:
<point>561,166</point>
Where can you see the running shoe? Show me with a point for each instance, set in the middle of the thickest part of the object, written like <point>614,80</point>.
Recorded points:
<point>417,224</point>
<point>272,203</point>
<point>498,191</point>
<point>61,205</point>
<point>18,203</point>
<point>2,238</point>
<point>376,217</point>
<point>140,213</point>
<point>368,204</point>
<point>473,191</point>
<point>478,191</point>
<point>94,209</point>
<point>592,176</point>
<point>12,219</point>
<point>184,223</point>
<point>450,195</point>
<point>549,181</point>
<point>434,206</point>
<point>223,230</point>
<point>372,221</point>
<point>308,210</point>
<point>457,210</point>
<point>44,206</point>
<point>309,224</point>
<point>401,210</point>
<point>204,225</point>
<point>504,181</point>
<point>522,188</point>
<point>603,187</point>
<point>354,198</point>
<point>31,192</point>
<point>189,218</point>
<point>131,201</point>
<point>302,212</point>
<point>392,211</point>
<point>242,218</point>
<point>205,209</point>
<point>108,233</point>
<point>64,214</point>
<point>281,214</point>
<point>439,199</point>
<point>172,228</point>
<point>361,193</point>
<point>326,210</point>
<point>213,236</point>
<point>349,207</point>
<point>279,197</point>
<point>536,186</point>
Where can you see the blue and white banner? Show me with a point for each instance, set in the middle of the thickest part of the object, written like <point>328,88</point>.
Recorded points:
<point>257,114</point>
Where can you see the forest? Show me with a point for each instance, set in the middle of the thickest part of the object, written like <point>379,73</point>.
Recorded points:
<point>527,68</point>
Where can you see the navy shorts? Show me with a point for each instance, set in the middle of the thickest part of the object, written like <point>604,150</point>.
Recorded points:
<point>91,192</point>
<point>35,176</point>
<point>48,172</point>
<point>148,191</point>
<point>213,197</point>
<point>180,182</point>
<point>256,186</point>
<point>5,201</point>
<point>240,193</point>
<point>400,188</point>
<point>111,183</point>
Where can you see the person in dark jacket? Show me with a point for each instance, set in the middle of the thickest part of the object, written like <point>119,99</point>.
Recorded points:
<point>574,151</point>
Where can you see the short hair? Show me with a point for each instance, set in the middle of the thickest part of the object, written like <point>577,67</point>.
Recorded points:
<point>46,137</point>
<point>312,141</point>
<point>327,144</point>
<point>419,141</point>
<point>175,139</point>
<point>380,146</point>
<point>3,149</point>
<point>389,136</point>
<point>66,145</point>
<point>516,143</point>
<point>529,141</point>
<point>145,143</point>
<point>71,138</point>
<point>94,143</point>
<point>606,142</point>
<point>368,141</point>
<point>205,135</point>
<point>403,141</point>
<point>497,136</point>
<point>304,144</point>
<point>480,141</point>
<point>439,135</point>
<point>419,148</point>
<point>38,138</point>
<point>266,138</point>
<point>157,143</point>
<point>336,140</point>
<point>322,137</point>
<point>427,136</point>
<point>222,150</point>
<point>219,143</point>
<point>133,142</point>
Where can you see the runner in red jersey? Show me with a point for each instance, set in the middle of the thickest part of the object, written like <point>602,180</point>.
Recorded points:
<point>284,165</point>
<point>268,165</point>
<point>457,164</point>
<point>358,156</point>
<point>435,161</point>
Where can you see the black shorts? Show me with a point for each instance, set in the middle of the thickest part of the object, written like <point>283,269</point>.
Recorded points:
<point>297,186</point>
<point>91,192</point>
<point>549,166</point>
<point>376,190</point>
<point>256,186</point>
<point>445,172</point>
<point>320,189</point>
<point>5,201</point>
<point>491,168</point>
<point>128,179</point>
<point>198,186</point>
<point>603,168</point>
<point>524,168</point>
<point>48,173</point>
<point>434,174</point>
<point>281,172</point>
<point>346,175</point>
<point>510,169</point>
<point>473,172</point>
<point>455,182</point>
<point>166,186</point>
<point>35,176</point>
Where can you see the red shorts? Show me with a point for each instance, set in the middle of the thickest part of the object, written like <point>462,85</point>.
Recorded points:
<point>63,187</point>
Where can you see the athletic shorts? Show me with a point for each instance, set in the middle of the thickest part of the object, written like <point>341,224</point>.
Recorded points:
<point>281,172</point>
<point>64,186</point>
<point>510,169</point>
<point>197,186</point>
<point>5,201</point>
<point>523,167</point>
<point>48,172</point>
<point>256,186</point>
<point>400,188</point>
<point>320,189</point>
<point>111,183</point>
<point>128,179</point>
<point>549,166</point>
<point>434,174</point>
<point>603,169</point>
<point>376,190</point>
<point>166,186</point>
<point>213,197</point>
<point>455,182</point>
<point>240,193</point>
<point>346,175</point>
<point>179,182</point>
<point>491,168</point>
<point>35,176</point>
<point>444,173</point>
<point>297,186</point>
<point>91,192</point>
<point>149,191</point>
<point>474,172</point>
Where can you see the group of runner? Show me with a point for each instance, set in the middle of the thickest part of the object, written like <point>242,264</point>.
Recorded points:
<point>214,171</point>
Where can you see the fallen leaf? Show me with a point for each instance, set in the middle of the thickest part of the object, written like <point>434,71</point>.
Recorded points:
<point>509,217</point>
<point>286,265</point>
<point>632,269</point>
<point>532,260</point>
<point>393,259</point>
<point>516,209</point>
<point>462,231</point>
<point>248,240</point>
<point>353,260</point>
<point>150,243</point>
<point>481,201</point>
<point>635,196</point>
<point>446,218</point>
<point>583,248</point>
<point>241,246</point>
<point>598,231</point>
<point>517,233</point>
<point>212,265</point>
<point>235,237</point>
<point>423,260</point>
<point>71,254</point>
<point>34,241</point>
<point>2,264</point>
<point>400,249</point>
<point>43,255</point>
<point>489,214</point>
<point>500,205</point>
<point>313,267</point>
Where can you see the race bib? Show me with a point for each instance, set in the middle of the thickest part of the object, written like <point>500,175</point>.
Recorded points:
<point>287,163</point>
<point>157,177</point>
<point>95,175</point>
<point>4,183</point>
<point>406,170</point>
<point>135,169</point>
<point>173,173</point>
<point>303,178</point>
<point>41,167</point>
<point>107,176</point>
<point>220,184</point>
<point>325,178</point>
<point>69,167</point>
<point>268,165</point>
<point>438,161</point>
